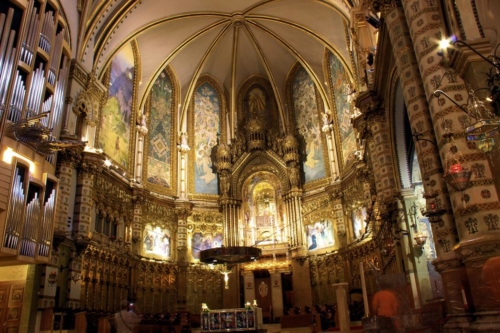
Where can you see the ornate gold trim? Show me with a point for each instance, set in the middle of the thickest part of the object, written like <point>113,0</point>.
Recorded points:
<point>100,44</point>
<point>258,162</point>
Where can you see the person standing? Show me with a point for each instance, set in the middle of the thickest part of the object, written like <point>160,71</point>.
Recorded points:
<point>127,318</point>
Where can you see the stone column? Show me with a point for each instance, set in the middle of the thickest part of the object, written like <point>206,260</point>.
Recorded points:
<point>91,165</point>
<point>74,282</point>
<point>276,294</point>
<point>414,258</point>
<point>302,291</point>
<point>183,210</point>
<point>67,160</point>
<point>377,131</point>
<point>249,286</point>
<point>478,234</point>
<point>420,74</point>
<point>297,233</point>
<point>342,306</point>
<point>230,213</point>
<point>142,131</point>
<point>328,130</point>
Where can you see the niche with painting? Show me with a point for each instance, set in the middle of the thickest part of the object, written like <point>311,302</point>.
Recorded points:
<point>358,222</point>
<point>156,241</point>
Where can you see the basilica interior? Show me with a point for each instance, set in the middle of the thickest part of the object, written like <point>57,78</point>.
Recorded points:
<point>304,156</point>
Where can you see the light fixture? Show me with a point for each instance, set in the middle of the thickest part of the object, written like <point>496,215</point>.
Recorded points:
<point>420,239</point>
<point>433,210</point>
<point>486,123</point>
<point>230,254</point>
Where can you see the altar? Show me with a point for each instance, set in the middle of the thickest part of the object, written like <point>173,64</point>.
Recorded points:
<point>231,320</point>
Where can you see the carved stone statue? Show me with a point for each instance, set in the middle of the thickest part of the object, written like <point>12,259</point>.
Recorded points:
<point>225,184</point>
<point>294,176</point>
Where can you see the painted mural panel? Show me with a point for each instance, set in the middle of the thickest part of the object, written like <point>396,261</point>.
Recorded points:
<point>341,88</point>
<point>160,132</point>
<point>206,127</point>
<point>206,241</point>
<point>114,134</point>
<point>306,116</point>
<point>320,235</point>
<point>156,241</point>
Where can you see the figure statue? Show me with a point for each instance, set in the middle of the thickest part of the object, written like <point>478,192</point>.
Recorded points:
<point>294,177</point>
<point>183,142</point>
<point>327,120</point>
<point>225,185</point>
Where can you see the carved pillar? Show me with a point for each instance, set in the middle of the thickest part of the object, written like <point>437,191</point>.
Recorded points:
<point>133,232</point>
<point>456,293</point>
<point>293,202</point>
<point>75,279</point>
<point>379,144</point>
<point>183,210</point>
<point>231,214</point>
<point>473,221</point>
<point>183,154</point>
<point>249,286</point>
<point>413,257</point>
<point>332,155</point>
<point>91,165</point>
<point>142,131</point>
<point>67,160</point>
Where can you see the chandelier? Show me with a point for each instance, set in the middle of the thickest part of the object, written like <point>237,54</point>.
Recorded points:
<point>230,255</point>
<point>485,123</point>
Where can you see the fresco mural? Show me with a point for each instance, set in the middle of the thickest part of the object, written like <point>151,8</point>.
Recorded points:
<point>206,241</point>
<point>358,222</point>
<point>160,132</point>
<point>320,235</point>
<point>341,88</point>
<point>206,127</point>
<point>156,241</point>
<point>306,116</point>
<point>114,134</point>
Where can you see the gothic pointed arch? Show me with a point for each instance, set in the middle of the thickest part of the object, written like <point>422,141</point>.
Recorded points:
<point>116,133</point>
<point>160,157</point>
<point>306,109</point>
<point>256,100</point>
<point>342,93</point>
<point>206,123</point>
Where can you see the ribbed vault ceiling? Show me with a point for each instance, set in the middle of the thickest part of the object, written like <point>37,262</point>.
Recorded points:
<point>228,39</point>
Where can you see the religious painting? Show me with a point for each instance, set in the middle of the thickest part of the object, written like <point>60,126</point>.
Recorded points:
<point>341,88</point>
<point>306,116</point>
<point>207,108</point>
<point>114,132</point>
<point>320,235</point>
<point>156,241</point>
<point>160,132</point>
<point>205,241</point>
<point>257,102</point>
<point>358,217</point>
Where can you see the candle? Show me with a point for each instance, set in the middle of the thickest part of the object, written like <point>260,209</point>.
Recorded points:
<point>363,288</point>
<point>456,167</point>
